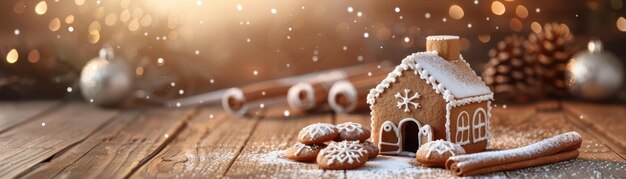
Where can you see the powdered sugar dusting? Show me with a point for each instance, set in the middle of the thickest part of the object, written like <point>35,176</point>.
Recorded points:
<point>455,76</point>
<point>441,147</point>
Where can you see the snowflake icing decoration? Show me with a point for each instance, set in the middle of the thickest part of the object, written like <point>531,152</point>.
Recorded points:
<point>405,100</point>
<point>316,130</point>
<point>344,151</point>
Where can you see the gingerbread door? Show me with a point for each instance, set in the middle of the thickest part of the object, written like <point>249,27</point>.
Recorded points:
<point>410,129</point>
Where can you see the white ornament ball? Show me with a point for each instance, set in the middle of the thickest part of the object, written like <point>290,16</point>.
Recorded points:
<point>105,82</point>
<point>594,74</point>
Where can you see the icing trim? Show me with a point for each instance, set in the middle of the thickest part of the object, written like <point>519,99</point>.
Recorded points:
<point>293,96</point>
<point>398,132</point>
<point>346,88</point>
<point>475,125</point>
<point>465,122</point>
<point>409,63</point>
<point>427,132</point>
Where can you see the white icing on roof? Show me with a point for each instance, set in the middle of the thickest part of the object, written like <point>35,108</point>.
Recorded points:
<point>455,80</point>
<point>442,37</point>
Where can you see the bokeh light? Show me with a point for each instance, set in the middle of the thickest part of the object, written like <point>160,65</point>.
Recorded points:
<point>456,12</point>
<point>12,56</point>
<point>41,8</point>
<point>497,8</point>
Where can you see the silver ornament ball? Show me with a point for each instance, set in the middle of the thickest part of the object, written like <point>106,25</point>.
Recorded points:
<point>594,74</point>
<point>106,81</point>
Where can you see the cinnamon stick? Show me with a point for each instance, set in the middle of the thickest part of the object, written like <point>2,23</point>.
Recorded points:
<point>348,96</point>
<point>310,95</point>
<point>563,156</point>
<point>235,100</point>
<point>462,165</point>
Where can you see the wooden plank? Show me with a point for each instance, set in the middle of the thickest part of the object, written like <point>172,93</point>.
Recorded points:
<point>516,126</point>
<point>31,143</point>
<point>118,148</point>
<point>262,155</point>
<point>605,121</point>
<point>205,149</point>
<point>15,113</point>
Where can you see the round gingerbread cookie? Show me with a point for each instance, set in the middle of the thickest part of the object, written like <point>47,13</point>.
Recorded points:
<point>317,133</point>
<point>302,152</point>
<point>344,155</point>
<point>352,131</point>
<point>371,148</point>
<point>436,153</point>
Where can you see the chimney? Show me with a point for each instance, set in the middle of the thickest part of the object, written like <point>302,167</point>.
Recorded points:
<point>448,47</point>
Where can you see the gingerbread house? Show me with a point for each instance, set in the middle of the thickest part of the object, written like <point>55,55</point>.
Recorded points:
<point>431,95</point>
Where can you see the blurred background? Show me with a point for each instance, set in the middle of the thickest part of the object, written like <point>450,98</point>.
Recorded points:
<point>175,49</point>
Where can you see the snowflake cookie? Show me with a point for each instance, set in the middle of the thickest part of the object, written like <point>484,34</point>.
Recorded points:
<point>302,152</point>
<point>317,133</point>
<point>436,153</point>
<point>342,155</point>
<point>352,131</point>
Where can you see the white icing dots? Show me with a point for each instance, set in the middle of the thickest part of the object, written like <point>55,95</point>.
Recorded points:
<point>350,127</point>
<point>343,152</point>
<point>316,130</point>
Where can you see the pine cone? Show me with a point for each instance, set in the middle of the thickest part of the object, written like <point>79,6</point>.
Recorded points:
<point>550,50</point>
<point>508,73</point>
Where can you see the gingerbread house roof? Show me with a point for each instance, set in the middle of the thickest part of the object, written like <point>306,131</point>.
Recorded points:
<point>454,80</point>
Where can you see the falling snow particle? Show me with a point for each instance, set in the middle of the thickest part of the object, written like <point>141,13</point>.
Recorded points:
<point>286,113</point>
<point>166,135</point>
<point>274,11</point>
<point>469,26</point>
<point>397,9</point>
<point>172,84</point>
<point>198,3</point>
<point>504,106</point>
<point>160,61</point>
<point>366,35</point>
<point>359,14</point>
<point>262,93</point>
<point>538,10</point>
<point>212,81</point>
<point>248,40</point>
<point>181,92</point>
<point>178,104</point>
<point>289,28</point>
<point>43,124</point>
<point>70,29</point>
<point>197,52</point>
<point>69,89</point>
<point>407,39</point>
<point>16,32</point>
<point>314,58</point>
<point>262,105</point>
<point>359,58</point>
<point>369,73</point>
<point>288,65</point>
<point>427,15</point>
<point>344,48</point>
<point>444,19</point>
<point>255,73</point>
<point>211,116</point>
<point>475,1</point>
<point>350,9</point>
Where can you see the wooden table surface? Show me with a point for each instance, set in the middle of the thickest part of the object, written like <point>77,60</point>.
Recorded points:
<point>74,140</point>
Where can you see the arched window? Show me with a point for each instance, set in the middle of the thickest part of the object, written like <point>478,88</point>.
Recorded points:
<point>462,128</point>
<point>479,123</point>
